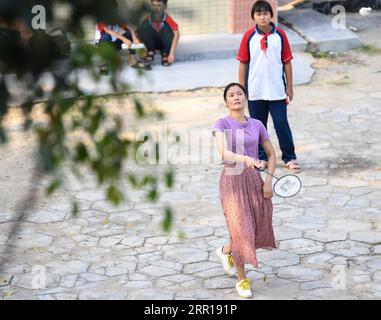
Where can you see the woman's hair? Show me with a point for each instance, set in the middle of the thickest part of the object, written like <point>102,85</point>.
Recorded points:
<point>262,6</point>
<point>233,84</point>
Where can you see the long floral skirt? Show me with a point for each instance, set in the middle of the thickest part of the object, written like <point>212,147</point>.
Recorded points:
<point>248,214</point>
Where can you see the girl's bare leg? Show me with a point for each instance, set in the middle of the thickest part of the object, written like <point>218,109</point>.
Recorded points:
<point>227,249</point>
<point>241,274</point>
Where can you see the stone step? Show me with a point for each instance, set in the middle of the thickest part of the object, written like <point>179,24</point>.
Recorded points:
<point>318,30</point>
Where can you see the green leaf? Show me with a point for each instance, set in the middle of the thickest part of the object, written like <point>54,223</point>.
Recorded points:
<point>53,186</point>
<point>114,195</point>
<point>169,178</point>
<point>152,195</point>
<point>74,208</point>
<point>132,179</point>
<point>139,109</point>
<point>81,152</point>
<point>3,136</point>
<point>167,221</point>
<point>4,97</point>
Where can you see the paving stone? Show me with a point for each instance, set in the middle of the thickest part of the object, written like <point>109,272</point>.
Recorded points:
<point>310,201</point>
<point>151,294</point>
<point>348,183</point>
<point>29,281</point>
<point>305,223</point>
<point>46,216</point>
<point>318,258</point>
<point>197,232</point>
<point>5,279</point>
<point>138,285</point>
<point>68,281</point>
<point>102,294</point>
<point>106,233</point>
<point>138,276</point>
<point>366,236</point>
<point>186,255</point>
<point>157,240</point>
<point>325,235</point>
<point>299,274</point>
<point>68,267</point>
<point>106,206</point>
<point>377,276</point>
<point>66,296</point>
<point>315,285</point>
<point>285,233</point>
<point>108,242</point>
<point>354,252</point>
<point>339,261</point>
<point>178,278</point>
<point>200,266</point>
<point>348,225</point>
<point>192,284</point>
<point>339,199</point>
<point>115,271</point>
<point>220,283</point>
<point>367,290</point>
<point>374,264</point>
<point>278,258</point>
<point>92,277</point>
<point>168,264</point>
<point>178,196</point>
<point>361,278</point>
<point>289,213</point>
<point>164,284</point>
<point>210,273</point>
<point>31,240</point>
<point>194,295</point>
<point>301,246</point>
<point>133,242</point>
<point>309,181</point>
<point>358,203</point>
<point>130,217</point>
<point>157,271</point>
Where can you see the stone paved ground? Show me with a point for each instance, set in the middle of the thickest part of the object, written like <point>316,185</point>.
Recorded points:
<point>330,231</point>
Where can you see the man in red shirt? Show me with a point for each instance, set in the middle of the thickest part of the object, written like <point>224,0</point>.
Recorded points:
<point>159,31</point>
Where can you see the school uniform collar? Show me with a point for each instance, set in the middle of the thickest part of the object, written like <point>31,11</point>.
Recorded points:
<point>273,28</point>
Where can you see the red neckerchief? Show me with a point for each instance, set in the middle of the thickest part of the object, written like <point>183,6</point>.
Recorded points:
<point>264,42</point>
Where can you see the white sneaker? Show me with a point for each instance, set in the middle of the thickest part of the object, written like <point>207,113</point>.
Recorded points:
<point>227,261</point>
<point>243,288</point>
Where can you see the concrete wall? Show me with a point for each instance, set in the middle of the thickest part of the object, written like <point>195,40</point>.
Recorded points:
<point>200,16</point>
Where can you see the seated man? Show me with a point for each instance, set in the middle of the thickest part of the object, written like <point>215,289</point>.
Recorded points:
<point>119,36</point>
<point>159,31</point>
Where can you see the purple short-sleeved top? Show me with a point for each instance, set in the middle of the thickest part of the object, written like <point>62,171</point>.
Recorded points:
<point>242,138</point>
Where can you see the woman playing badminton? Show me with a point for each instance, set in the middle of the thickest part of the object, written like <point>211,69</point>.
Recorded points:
<point>245,197</point>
